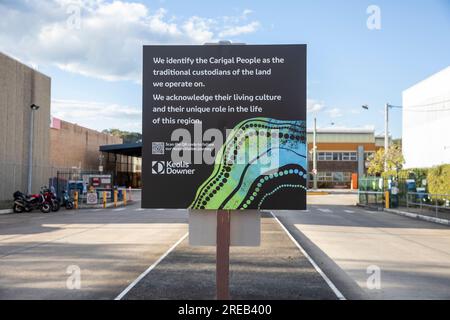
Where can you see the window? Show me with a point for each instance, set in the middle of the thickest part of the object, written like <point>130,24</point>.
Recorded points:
<point>338,176</point>
<point>334,176</point>
<point>325,156</point>
<point>325,176</point>
<point>320,156</point>
<point>349,156</point>
<point>337,156</point>
<point>367,155</point>
<point>347,176</point>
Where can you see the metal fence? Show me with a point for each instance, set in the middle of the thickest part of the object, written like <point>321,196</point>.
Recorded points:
<point>14,177</point>
<point>123,194</point>
<point>436,205</point>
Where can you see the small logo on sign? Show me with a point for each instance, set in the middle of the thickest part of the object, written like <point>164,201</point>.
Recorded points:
<point>158,167</point>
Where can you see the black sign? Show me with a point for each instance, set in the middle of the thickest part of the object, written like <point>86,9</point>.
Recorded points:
<point>224,127</point>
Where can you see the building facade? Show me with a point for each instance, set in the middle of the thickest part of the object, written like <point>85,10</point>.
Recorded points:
<point>341,155</point>
<point>73,146</point>
<point>20,87</point>
<point>426,119</point>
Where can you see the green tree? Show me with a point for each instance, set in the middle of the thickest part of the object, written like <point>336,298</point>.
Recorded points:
<point>128,137</point>
<point>394,159</point>
<point>439,179</point>
<point>376,163</point>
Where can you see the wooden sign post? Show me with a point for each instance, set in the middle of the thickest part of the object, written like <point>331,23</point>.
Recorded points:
<point>223,255</point>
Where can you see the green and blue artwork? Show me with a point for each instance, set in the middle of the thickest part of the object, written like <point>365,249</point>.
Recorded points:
<point>260,158</point>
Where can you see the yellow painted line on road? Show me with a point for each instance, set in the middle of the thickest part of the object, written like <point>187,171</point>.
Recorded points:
<point>317,193</point>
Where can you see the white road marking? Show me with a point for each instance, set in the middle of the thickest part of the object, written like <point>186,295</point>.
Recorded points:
<point>143,274</point>
<point>325,210</point>
<point>336,291</point>
<point>349,211</point>
<point>139,209</point>
<point>97,210</point>
<point>119,209</point>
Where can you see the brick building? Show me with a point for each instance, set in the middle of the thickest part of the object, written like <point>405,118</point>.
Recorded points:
<point>341,153</point>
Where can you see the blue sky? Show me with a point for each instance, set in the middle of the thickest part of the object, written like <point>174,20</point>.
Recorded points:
<point>95,66</point>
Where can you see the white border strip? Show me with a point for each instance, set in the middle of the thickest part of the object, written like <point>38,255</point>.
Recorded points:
<point>143,274</point>
<point>338,294</point>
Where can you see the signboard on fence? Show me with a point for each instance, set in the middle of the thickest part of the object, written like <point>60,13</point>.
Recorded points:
<point>224,127</point>
<point>91,198</point>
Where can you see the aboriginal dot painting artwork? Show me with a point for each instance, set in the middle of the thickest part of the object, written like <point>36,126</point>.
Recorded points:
<point>260,158</point>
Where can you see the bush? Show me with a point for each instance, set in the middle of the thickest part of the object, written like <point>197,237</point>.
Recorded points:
<point>418,174</point>
<point>438,179</point>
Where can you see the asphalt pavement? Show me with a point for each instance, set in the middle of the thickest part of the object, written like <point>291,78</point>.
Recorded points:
<point>372,254</point>
<point>334,248</point>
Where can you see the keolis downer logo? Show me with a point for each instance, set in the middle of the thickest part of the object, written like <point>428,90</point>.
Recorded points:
<point>158,167</point>
<point>172,168</point>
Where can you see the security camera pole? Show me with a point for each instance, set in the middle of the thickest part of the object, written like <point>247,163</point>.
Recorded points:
<point>30,148</point>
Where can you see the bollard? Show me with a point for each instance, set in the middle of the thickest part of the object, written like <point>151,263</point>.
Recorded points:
<point>75,200</point>
<point>386,200</point>
<point>124,197</point>
<point>104,199</point>
<point>115,198</point>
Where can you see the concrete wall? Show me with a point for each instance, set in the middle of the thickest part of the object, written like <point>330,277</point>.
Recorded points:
<point>76,146</point>
<point>21,86</point>
<point>426,119</point>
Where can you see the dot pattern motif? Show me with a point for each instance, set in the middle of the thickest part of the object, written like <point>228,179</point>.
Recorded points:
<point>233,172</point>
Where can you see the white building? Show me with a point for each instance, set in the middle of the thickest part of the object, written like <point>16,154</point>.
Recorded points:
<point>426,122</point>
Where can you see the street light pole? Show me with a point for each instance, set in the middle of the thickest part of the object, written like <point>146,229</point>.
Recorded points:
<point>315,155</point>
<point>386,129</point>
<point>30,148</point>
<point>386,134</point>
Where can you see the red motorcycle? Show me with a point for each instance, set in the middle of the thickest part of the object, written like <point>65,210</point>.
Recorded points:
<point>50,197</point>
<point>28,203</point>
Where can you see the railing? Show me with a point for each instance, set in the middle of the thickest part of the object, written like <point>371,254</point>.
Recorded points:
<point>439,204</point>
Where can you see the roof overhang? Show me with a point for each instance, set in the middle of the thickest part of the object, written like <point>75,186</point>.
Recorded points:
<point>126,149</point>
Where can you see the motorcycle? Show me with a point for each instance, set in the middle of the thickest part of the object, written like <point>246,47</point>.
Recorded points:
<point>28,203</point>
<point>67,202</point>
<point>50,197</point>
